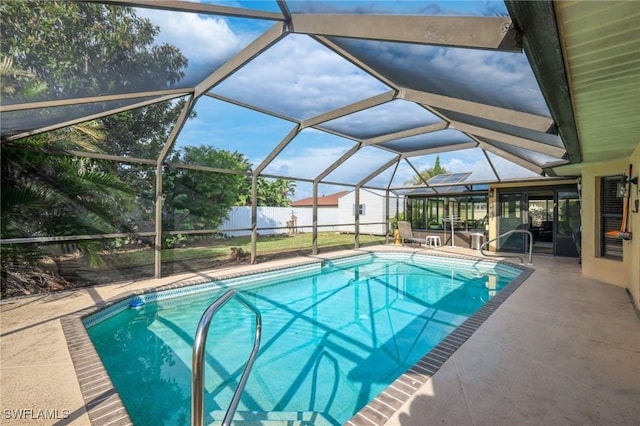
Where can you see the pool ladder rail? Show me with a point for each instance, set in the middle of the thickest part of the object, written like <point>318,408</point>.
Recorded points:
<point>197,360</point>
<point>506,234</point>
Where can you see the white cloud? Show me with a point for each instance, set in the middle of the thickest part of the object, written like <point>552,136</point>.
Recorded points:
<point>300,78</point>
<point>308,162</point>
<point>199,38</point>
<point>470,160</point>
<point>456,165</point>
<point>305,162</point>
<point>360,165</point>
<point>386,118</point>
<point>497,78</point>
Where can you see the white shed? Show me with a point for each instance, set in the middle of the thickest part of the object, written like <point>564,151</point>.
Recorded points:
<point>372,210</point>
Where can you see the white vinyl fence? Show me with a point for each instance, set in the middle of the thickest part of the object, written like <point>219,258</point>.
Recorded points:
<point>277,217</point>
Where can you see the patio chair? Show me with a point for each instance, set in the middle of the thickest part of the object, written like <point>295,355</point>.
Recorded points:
<point>406,233</point>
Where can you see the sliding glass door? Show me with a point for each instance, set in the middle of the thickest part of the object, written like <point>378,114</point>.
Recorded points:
<point>567,235</point>
<point>552,216</point>
<point>510,209</point>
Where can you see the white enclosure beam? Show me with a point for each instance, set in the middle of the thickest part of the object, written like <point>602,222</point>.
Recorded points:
<point>314,214</point>
<point>206,169</point>
<point>277,150</point>
<point>284,8</point>
<point>289,177</point>
<point>406,133</point>
<point>254,218</point>
<point>251,107</point>
<point>493,168</point>
<point>418,173</point>
<point>439,149</point>
<point>177,127</point>
<point>496,33</point>
<point>356,213</point>
<point>539,123</point>
<point>540,147</point>
<point>350,109</point>
<point>93,99</point>
<point>393,175</point>
<point>101,156</point>
<point>159,205</point>
<point>349,57</point>
<point>379,170</point>
<point>90,117</point>
<point>337,163</point>
<point>195,7</point>
<point>511,157</point>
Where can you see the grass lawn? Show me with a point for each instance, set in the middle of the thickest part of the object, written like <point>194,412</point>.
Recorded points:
<point>267,245</point>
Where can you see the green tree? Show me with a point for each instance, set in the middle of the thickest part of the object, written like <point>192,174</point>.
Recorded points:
<point>74,49</point>
<point>197,199</point>
<point>275,193</point>
<point>60,50</point>
<point>49,195</point>
<point>86,49</point>
<point>77,49</point>
<point>16,80</point>
<point>271,192</point>
<point>428,173</point>
<point>67,195</point>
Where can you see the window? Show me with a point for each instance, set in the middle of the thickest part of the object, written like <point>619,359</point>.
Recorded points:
<point>611,217</point>
<point>416,207</point>
<point>361,209</point>
<point>468,211</point>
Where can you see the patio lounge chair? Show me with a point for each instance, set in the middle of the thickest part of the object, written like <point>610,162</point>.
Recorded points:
<point>406,233</point>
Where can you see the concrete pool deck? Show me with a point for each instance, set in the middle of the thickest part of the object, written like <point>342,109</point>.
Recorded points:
<point>560,350</point>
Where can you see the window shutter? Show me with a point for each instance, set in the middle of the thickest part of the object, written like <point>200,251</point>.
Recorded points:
<point>611,214</point>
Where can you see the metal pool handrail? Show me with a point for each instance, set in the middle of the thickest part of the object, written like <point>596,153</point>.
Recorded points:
<point>513,231</point>
<point>197,360</point>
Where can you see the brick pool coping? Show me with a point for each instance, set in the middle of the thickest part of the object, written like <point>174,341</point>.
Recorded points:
<point>104,406</point>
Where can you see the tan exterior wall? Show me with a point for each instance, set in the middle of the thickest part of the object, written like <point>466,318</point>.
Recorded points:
<point>634,255</point>
<point>626,273</point>
<point>594,266</point>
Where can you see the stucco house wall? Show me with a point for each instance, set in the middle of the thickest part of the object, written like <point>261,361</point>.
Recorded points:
<point>626,273</point>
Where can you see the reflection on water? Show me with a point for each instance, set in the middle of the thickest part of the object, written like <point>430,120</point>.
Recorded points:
<point>331,342</point>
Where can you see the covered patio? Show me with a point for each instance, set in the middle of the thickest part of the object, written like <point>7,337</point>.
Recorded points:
<point>537,359</point>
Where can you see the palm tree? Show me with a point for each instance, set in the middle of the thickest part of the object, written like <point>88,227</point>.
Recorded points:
<point>48,194</point>
<point>283,191</point>
<point>67,195</point>
<point>15,81</point>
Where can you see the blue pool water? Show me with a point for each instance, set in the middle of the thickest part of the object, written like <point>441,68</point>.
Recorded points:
<point>332,340</point>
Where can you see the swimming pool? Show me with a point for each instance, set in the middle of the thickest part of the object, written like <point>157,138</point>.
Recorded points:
<point>334,336</point>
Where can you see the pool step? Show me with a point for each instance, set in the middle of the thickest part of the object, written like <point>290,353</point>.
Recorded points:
<point>273,418</point>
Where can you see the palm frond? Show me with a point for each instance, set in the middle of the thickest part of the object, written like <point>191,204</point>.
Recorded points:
<point>7,69</point>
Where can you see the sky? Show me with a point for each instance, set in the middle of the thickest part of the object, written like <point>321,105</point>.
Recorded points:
<point>300,78</point>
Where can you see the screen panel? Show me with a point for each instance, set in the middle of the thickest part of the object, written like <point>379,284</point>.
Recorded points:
<point>387,118</point>
<point>299,78</point>
<point>502,79</point>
